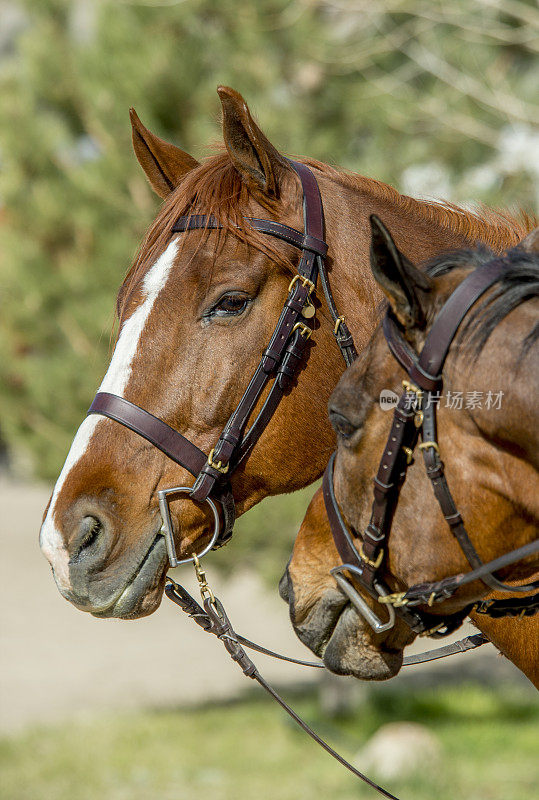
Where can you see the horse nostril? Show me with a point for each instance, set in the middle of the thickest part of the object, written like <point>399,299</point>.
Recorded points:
<point>90,528</point>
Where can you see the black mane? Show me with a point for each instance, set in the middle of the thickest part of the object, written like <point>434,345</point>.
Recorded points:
<point>519,284</point>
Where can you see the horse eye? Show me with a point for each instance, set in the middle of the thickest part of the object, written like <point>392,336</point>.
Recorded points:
<point>342,426</point>
<point>230,305</point>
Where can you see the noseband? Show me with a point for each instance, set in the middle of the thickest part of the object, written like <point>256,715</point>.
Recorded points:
<point>281,361</point>
<point>415,417</point>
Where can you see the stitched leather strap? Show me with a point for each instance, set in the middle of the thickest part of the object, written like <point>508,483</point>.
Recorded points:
<point>447,322</point>
<point>191,222</point>
<point>425,370</point>
<point>172,443</point>
<point>213,619</point>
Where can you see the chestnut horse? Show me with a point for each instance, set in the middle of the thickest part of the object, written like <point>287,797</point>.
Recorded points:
<point>489,443</point>
<point>195,313</point>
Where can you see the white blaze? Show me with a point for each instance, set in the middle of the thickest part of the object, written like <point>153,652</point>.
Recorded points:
<point>115,381</point>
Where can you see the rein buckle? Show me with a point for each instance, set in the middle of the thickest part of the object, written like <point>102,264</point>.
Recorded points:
<point>338,322</point>
<point>409,455</point>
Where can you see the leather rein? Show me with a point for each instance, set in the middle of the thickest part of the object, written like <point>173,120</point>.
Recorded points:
<point>415,417</point>
<point>281,362</point>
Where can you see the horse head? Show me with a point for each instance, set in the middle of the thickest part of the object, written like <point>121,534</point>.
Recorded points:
<point>196,312</point>
<point>487,435</point>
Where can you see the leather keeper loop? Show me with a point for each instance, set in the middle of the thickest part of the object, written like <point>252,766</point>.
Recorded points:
<point>429,383</point>
<point>436,472</point>
<point>295,305</point>
<point>384,488</point>
<point>376,536</point>
<point>270,359</point>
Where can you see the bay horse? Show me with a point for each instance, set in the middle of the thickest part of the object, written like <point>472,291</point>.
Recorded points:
<point>488,439</point>
<point>196,310</point>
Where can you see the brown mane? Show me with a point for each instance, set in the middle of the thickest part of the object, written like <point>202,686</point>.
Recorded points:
<point>495,228</point>
<point>215,188</point>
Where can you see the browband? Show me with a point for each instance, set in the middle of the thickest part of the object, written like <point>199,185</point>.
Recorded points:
<point>191,222</point>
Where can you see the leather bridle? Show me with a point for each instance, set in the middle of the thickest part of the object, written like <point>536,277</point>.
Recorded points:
<point>281,362</point>
<point>415,417</point>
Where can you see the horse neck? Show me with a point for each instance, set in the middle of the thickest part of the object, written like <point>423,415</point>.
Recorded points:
<point>421,230</point>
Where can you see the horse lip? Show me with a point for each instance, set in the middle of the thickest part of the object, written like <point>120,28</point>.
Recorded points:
<point>385,665</point>
<point>142,578</point>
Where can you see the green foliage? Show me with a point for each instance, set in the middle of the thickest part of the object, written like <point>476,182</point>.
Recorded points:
<point>378,87</point>
<point>487,736</point>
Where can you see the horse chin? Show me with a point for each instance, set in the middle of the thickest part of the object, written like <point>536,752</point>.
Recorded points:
<point>352,651</point>
<point>335,633</point>
<point>143,593</point>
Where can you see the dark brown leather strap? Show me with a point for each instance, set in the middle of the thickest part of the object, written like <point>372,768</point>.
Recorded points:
<point>154,430</point>
<point>179,595</point>
<point>191,222</point>
<point>447,322</point>
<point>423,592</point>
<point>436,472</point>
<point>215,620</point>
<point>425,370</point>
<point>398,345</point>
<point>172,443</point>
<point>281,353</point>
<point>360,570</point>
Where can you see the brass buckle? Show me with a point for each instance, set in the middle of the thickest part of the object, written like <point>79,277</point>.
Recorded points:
<point>409,454</point>
<point>305,282</point>
<point>395,600</point>
<point>411,387</point>
<point>373,564</point>
<point>338,322</point>
<point>305,331</point>
<point>482,606</point>
<point>218,465</point>
<point>426,445</point>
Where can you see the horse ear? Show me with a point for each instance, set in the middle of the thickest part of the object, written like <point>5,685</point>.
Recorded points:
<point>397,276</point>
<point>253,155</point>
<point>164,164</point>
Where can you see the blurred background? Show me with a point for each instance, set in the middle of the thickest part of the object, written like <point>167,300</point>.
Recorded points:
<point>438,99</point>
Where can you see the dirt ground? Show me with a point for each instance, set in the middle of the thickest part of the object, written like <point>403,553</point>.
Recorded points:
<point>57,662</point>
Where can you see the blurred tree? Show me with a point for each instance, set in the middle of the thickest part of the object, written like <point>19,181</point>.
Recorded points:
<point>430,96</point>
